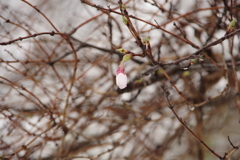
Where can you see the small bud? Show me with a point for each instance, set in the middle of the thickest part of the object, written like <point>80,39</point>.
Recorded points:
<point>139,81</point>
<point>127,57</point>
<point>125,21</point>
<point>145,40</point>
<point>186,73</point>
<point>121,78</point>
<point>123,7</point>
<point>194,60</point>
<point>231,26</point>
<point>201,58</point>
<point>159,72</point>
<point>122,50</point>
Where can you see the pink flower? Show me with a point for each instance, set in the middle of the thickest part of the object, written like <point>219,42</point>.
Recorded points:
<point>121,77</point>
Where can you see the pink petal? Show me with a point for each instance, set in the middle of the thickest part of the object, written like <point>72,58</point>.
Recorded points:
<point>121,80</point>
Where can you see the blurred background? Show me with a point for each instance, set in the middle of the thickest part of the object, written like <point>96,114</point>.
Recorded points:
<point>59,98</point>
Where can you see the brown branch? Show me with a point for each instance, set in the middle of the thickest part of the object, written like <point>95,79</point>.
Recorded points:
<point>229,153</point>
<point>130,16</point>
<point>34,7</point>
<point>184,124</point>
<point>195,54</point>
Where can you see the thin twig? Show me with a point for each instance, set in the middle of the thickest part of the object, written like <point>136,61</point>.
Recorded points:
<point>184,124</point>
